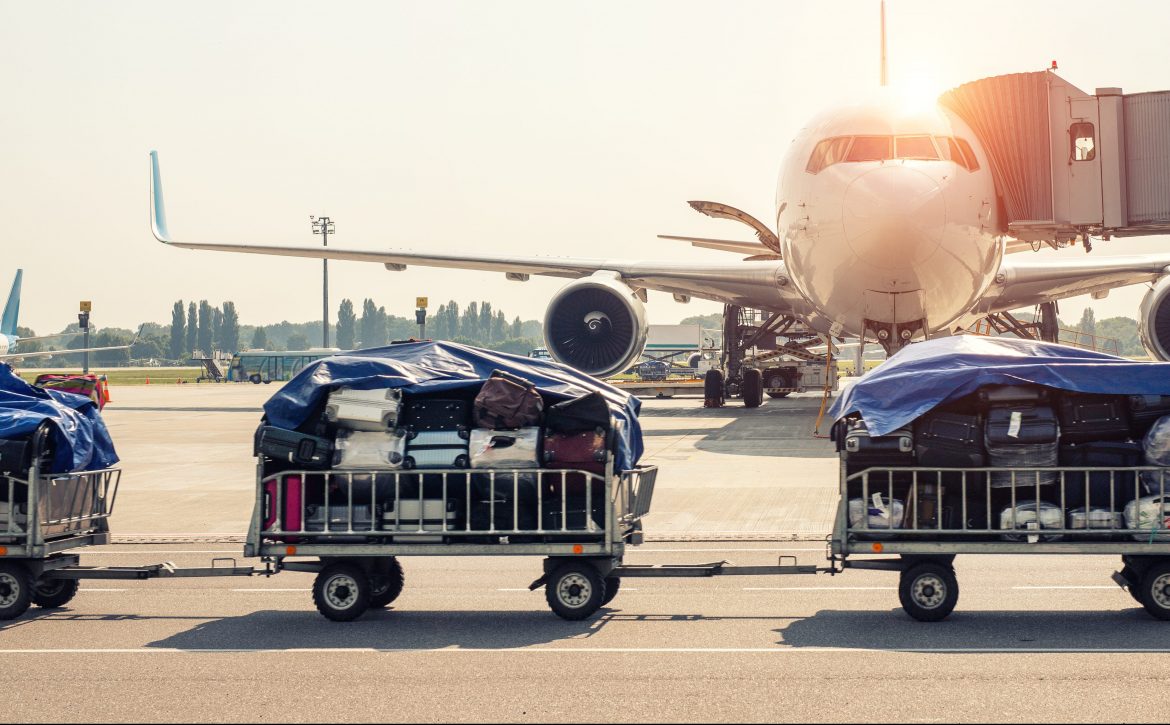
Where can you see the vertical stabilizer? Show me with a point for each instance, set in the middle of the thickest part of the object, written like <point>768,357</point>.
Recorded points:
<point>885,79</point>
<point>12,309</point>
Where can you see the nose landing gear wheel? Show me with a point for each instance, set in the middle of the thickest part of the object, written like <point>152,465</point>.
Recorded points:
<point>1155,590</point>
<point>574,591</point>
<point>15,590</point>
<point>386,583</point>
<point>928,591</point>
<point>53,593</point>
<point>342,592</point>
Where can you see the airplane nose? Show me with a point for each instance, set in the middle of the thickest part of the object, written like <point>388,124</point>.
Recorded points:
<point>893,217</point>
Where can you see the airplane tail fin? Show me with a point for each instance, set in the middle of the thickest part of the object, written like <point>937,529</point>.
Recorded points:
<point>12,309</point>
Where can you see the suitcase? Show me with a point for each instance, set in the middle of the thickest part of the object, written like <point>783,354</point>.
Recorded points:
<point>573,519</point>
<point>1151,513</point>
<point>13,517</point>
<point>1145,410</point>
<point>299,449</point>
<point>1095,518</point>
<point>877,512</point>
<point>1086,418</point>
<point>581,451</point>
<point>1032,517</point>
<point>436,414</point>
<point>357,449</point>
<point>338,519</point>
<point>1022,437</point>
<point>949,440</point>
<point>505,448</point>
<point>507,401</point>
<point>437,449</point>
<point>507,488</point>
<point>1012,394</point>
<point>370,410</point>
<point>864,451</point>
<point>17,454</point>
<point>413,517</point>
<point>1105,454</point>
<point>585,413</point>
<point>294,497</point>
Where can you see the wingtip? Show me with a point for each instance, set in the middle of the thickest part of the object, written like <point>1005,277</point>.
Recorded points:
<point>158,212</point>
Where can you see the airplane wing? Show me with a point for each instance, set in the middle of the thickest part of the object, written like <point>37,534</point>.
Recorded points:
<point>49,353</point>
<point>1022,283</point>
<point>760,283</point>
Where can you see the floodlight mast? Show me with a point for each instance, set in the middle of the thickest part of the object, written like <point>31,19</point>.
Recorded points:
<point>324,226</point>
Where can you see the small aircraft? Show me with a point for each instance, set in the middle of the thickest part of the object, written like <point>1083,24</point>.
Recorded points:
<point>9,338</point>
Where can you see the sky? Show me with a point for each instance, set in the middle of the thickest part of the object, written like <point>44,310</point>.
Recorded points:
<point>555,128</point>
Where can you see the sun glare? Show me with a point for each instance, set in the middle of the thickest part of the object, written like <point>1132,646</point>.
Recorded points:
<point>917,91</point>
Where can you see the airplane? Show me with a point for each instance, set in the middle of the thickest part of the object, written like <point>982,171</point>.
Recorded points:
<point>888,228</point>
<point>9,338</point>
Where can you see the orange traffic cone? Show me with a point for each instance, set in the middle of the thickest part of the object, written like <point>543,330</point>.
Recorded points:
<point>148,380</point>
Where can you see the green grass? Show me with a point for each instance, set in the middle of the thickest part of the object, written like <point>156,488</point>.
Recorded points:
<point>121,376</point>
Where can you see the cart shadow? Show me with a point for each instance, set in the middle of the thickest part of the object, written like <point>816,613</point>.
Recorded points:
<point>382,630</point>
<point>981,632</point>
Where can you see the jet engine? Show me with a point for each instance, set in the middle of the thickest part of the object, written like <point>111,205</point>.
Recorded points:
<point>596,324</point>
<point>1154,320</point>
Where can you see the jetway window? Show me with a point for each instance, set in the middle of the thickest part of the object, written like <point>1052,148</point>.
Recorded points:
<point>1084,147</point>
<point>914,147</point>
<point>871,148</point>
<point>828,152</point>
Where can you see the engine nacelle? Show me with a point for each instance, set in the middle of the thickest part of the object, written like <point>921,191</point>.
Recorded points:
<point>596,324</point>
<point>1154,320</point>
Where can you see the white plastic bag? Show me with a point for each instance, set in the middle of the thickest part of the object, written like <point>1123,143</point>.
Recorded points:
<point>1157,443</point>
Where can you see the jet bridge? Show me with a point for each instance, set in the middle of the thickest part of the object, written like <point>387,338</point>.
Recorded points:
<point>1069,164</point>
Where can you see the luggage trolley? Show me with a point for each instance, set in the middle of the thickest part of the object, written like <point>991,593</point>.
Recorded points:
<point>924,517</point>
<point>354,524</point>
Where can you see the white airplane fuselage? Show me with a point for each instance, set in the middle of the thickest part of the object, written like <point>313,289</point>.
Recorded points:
<point>6,344</point>
<point>906,245</point>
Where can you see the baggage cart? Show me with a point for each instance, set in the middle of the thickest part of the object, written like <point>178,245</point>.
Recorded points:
<point>950,511</point>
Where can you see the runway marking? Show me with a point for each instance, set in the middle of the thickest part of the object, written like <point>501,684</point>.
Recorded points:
<point>594,650</point>
<point>101,590</point>
<point>818,589</point>
<point>526,589</point>
<point>302,589</point>
<point>1072,586</point>
<point>639,550</point>
<point>164,551</point>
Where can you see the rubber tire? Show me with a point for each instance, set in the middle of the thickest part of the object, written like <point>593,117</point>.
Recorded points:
<point>54,593</point>
<point>254,379</point>
<point>343,574</point>
<point>753,388</point>
<point>16,588</point>
<point>612,585</point>
<point>777,395</point>
<point>383,592</point>
<point>563,579</point>
<point>1156,586</point>
<point>944,576</point>
<point>1134,589</point>
<point>713,387</point>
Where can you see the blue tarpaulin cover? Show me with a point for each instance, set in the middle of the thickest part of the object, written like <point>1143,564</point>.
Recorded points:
<point>446,367</point>
<point>82,442</point>
<point>923,375</point>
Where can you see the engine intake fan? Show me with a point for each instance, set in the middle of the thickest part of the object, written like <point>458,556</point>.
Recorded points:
<point>597,325</point>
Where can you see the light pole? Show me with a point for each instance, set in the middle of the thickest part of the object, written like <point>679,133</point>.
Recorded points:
<point>324,227</point>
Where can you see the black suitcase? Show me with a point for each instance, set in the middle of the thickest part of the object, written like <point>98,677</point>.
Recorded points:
<point>514,501</point>
<point>1086,417</point>
<point>1102,454</point>
<point>1034,424</point>
<point>17,454</point>
<point>587,412</point>
<point>944,439</point>
<point>437,414</point>
<point>1000,394</point>
<point>1145,410</point>
<point>299,449</point>
<point>863,450</point>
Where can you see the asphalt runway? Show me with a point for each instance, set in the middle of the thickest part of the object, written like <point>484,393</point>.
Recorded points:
<point>1033,638</point>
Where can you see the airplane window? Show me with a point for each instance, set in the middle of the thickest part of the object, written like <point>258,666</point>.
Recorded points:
<point>950,150</point>
<point>870,148</point>
<point>968,154</point>
<point>828,152</point>
<point>914,147</point>
<point>1084,147</point>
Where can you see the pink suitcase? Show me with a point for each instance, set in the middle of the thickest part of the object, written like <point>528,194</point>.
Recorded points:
<point>294,492</point>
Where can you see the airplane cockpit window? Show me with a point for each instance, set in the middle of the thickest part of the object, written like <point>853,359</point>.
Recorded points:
<point>968,154</point>
<point>914,147</point>
<point>870,148</point>
<point>950,150</point>
<point>1084,147</point>
<point>828,152</point>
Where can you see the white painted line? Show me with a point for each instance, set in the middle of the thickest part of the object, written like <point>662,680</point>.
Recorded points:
<point>509,589</point>
<point>818,589</point>
<point>640,550</point>
<point>101,590</point>
<point>1072,586</point>
<point>599,650</point>
<point>141,552</point>
<point>302,589</point>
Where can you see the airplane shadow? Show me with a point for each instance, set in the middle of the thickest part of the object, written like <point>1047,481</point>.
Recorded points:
<point>975,632</point>
<point>781,430</point>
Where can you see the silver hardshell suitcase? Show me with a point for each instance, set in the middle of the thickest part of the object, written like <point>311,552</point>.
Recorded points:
<point>505,448</point>
<point>356,449</point>
<point>1095,518</point>
<point>13,517</point>
<point>413,516</point>
<point>1029,518</point>
<point>371,410</point>
<point>438,449</point>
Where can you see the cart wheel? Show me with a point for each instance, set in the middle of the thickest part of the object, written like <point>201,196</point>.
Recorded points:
<point>753,388</point>
<point>612,584</point>
<point>342,592</point>
<point>574,591</point>
<point>386,583</point>
<point>53,593</point>
<point>1154,593</point>
<point>928,591</point>
<point>1134,583</point>
<point>15,589</point>
<point>254,379</point>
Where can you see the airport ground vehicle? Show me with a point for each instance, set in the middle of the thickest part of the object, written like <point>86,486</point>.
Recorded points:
<point>951,511</point>
<point>265,366</point>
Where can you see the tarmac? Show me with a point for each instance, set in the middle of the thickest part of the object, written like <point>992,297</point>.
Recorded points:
<point>1034,638</point>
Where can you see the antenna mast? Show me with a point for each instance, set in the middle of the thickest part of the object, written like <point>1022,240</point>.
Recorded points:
<point>884,42</point>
